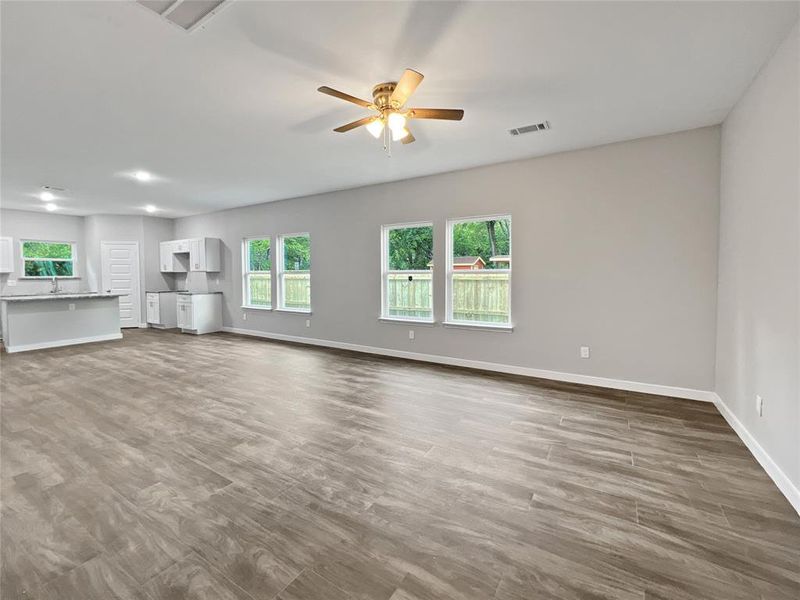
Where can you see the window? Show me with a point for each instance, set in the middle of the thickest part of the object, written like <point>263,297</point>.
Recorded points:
<point>479,271</point>
<point>48,259</point>
<point>294,272</point>
<point>407,252</point>
<point>257,273</point>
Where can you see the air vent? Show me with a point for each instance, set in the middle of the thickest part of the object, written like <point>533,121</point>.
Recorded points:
<point>186,14</point>
<point>530,128</point>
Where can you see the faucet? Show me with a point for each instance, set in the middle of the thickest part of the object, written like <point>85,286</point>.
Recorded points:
<point>54,283</point>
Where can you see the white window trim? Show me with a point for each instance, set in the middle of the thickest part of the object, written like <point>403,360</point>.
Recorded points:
<point>449,321</point>
<point>297,311</point>
<point>402,321</point>
<point>246,272</point>
<point>73,260</point>
<point>478,325</point>
<point>385,271</point>
<point>281,271</point>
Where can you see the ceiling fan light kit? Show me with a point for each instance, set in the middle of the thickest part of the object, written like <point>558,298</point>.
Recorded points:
<point>389,100</point>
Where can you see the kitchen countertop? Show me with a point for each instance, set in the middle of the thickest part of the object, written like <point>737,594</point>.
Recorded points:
<point>165,291</point>
<point>197,293</point>
<point>59,296</point>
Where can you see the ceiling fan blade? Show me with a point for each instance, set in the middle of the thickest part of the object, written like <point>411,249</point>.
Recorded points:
<point>346,97</point>
<point>354,124</point>
<point>448,114</point>
<point>409,138</point>
<point>406,86</point>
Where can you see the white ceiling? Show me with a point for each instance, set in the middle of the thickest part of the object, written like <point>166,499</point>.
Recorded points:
<point>229,115</point>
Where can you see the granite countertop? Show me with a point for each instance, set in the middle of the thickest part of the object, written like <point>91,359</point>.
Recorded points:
<point>165,291</point>
<point>197,293</point>
<point>59,296</point>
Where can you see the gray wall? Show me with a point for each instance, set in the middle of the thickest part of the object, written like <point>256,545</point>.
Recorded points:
<point>614,247</point>
<point>87,233</point>
<point>759,262</point>
<point>147,231</point>
<point>20,225</point>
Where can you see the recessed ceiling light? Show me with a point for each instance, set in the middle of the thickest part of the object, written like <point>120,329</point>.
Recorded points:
<point>47,196</point>
<point>150,208</point>
<point>50,207</point>
<point>142,176</point>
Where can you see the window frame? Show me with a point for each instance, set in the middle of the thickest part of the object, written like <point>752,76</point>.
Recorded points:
<point>280,270</point>
<point>246,271</point>
<point>449,271</point>
<point>385,272</point>
<point>73,260</point>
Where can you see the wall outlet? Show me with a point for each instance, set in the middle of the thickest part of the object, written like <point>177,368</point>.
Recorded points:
<point>244,316</point>
<point>759,405</point>
<point>11,282</point>
<point>308,322</point>
<point>584,351</point>
<point>71,306</point>
<point>411,334</point>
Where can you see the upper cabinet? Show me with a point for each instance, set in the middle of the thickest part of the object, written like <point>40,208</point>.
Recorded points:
<point>204,254</point>
<point>6,255</point>
<point>170,261</point>
<point>196,254</point>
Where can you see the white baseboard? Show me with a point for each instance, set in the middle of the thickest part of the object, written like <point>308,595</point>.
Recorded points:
<point>777,475</point>
<point>59,343</point>
<point>617,384</point>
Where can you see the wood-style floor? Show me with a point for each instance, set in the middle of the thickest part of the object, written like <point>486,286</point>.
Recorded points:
<point>219,467</point>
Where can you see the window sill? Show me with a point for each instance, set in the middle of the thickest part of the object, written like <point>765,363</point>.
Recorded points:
<point>399,321</point>
<point>480,326</point>
<point>268,308</point>
<point>49,277</point>
<point>296,311</point>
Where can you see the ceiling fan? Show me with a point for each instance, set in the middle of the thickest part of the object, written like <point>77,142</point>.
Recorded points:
<point>388,100</point>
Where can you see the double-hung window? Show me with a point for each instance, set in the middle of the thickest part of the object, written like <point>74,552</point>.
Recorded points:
<point>479,271</point>
<point>257,258</point>
<point>48,259</point>
<point>407,255</point>
<point>294,272</point>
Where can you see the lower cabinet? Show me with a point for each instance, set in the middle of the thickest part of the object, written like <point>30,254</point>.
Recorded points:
<point>162,309</point>
<point>185,320</point>
<point>199,312</point>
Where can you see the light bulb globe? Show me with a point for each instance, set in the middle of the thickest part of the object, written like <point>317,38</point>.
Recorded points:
<point>396,122</point>
<point>375,128</point>
<point>399,134</point>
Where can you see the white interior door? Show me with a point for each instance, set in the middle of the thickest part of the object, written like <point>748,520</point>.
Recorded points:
<point>120,267</point>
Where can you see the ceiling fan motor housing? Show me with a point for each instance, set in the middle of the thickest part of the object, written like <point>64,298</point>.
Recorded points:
<point>381,95</point>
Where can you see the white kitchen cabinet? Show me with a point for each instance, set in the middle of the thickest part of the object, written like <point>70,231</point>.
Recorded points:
<point>196,254</point>
<point>204,254</point>
<point>172,261</point>
<point>162,309</point>
<point>184,316</point>
<point>199,312</point>
<point>6,255</point>
<point>165,257</point>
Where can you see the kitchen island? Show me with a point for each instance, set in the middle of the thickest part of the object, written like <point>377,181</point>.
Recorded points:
<point>41,321</point>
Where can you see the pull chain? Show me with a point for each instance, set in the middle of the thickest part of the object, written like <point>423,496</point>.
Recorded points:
<point>387,142</point>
